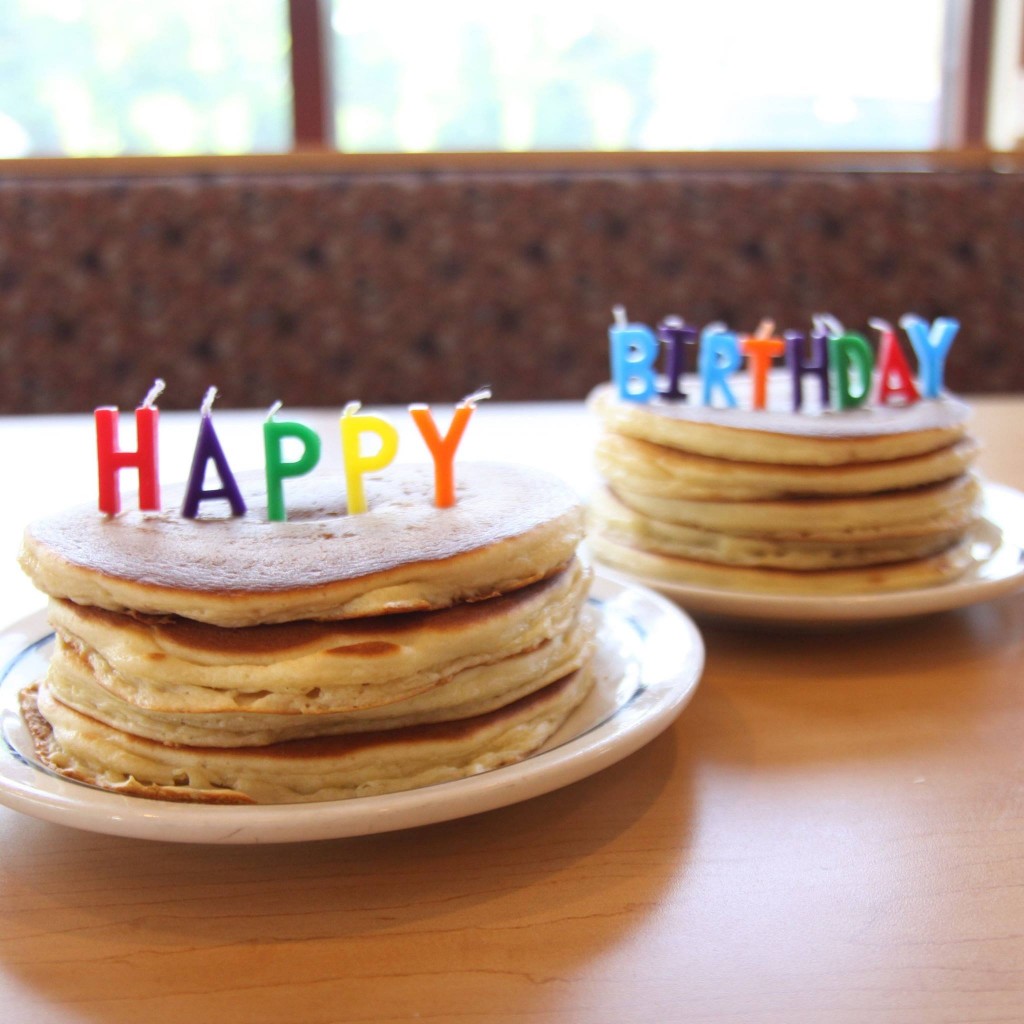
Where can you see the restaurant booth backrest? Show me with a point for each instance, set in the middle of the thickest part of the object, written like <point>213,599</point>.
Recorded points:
<point>316,288</point>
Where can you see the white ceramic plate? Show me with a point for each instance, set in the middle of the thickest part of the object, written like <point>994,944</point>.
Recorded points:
<point>650,657</point>
<point>998,569</point>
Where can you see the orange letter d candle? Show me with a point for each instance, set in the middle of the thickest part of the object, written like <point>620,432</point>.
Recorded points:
<point>111,460</point>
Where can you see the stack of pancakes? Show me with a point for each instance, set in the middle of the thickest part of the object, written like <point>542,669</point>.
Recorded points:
<point>810,502</point>
<point>329,656</point>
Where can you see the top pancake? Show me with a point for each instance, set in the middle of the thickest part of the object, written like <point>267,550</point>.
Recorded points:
<point>813,436</point>
<point>510,526</point>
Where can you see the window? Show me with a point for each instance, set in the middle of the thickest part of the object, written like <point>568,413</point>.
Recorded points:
<point>791,74</point>
<point>106,77</point>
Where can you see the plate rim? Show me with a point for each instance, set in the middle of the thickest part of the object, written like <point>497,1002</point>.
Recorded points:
<point>751,606</point>
<point>650,709</point>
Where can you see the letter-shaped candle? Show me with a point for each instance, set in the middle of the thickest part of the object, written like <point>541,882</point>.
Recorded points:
<point>442,449</point>
<point>719,356</point>
<point>760,350</point>
<point>676,336</point>
<point>799,364</point>
<point>894,376</point>
<point>111,460</point>
<point>208,449</point>
<point>845,351</point>
<point>277,469</point>
<point>931,344</point>
<point>353,425</point>
<point>634,349</point>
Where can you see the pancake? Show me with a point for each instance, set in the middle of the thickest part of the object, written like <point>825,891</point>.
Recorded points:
<point>819,501</point>
<point>912,574</point>
<point>633,466</point>
<point>238,660</point>
<point>326,768</point>
<point>777,435</point>
<point>469,692</point>
<point>619,522</point>
<point>404,554</point>
<point>310,668</point>
<point>934,508</point>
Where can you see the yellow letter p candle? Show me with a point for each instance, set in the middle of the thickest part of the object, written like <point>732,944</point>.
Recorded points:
<point>353,425</point>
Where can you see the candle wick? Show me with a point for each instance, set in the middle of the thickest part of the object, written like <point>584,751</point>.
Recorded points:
<point>208,399</point>
<point>478,396</point>
<point>880,325</point>
<point>351,408</point>
<point>274,409</point>
<point>764,329</point>
<point>154,393</point>
<point>619,312</point>
<point>825,322</point>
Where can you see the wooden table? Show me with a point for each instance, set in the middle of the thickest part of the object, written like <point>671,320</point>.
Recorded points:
<point>832,831</point>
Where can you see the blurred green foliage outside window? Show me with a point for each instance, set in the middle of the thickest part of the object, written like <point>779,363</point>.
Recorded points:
<point>163,77</point>
<point>642,75</point>
<point>109,77</point>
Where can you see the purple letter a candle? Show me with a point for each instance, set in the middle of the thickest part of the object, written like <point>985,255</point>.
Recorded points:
<point>208,449</point>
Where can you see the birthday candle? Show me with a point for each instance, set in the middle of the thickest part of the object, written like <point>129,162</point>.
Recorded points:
<point>442,449</point>
<point>353,425</point>
<point>633,349</point>
<point>846,351</point>
<point>676,335</point>
<point>760,349</point>
<point>799,364</point>
<point>277,469</point>
<point>931,344</point>
<point>111,460</point>
<point>208,449</point>
<point>894,376</point>
<point>719,357</point>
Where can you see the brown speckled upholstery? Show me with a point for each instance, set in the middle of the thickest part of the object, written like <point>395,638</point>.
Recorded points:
<point>322,288</point>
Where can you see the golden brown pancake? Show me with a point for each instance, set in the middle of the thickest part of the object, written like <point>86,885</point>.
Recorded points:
<point>618,522</point>
<point>311,668</point>
<point>325,768</point>
<point>777,435</point>
<point>633,466</point>
<point>776,501</point>
<point>949,505</point>
<point>511,526</point>
<point>326,657</point>
<point>466,693</point>
<point>929,571</point>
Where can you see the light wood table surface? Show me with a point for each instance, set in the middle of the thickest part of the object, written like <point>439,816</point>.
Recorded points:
<point>833,830</point>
